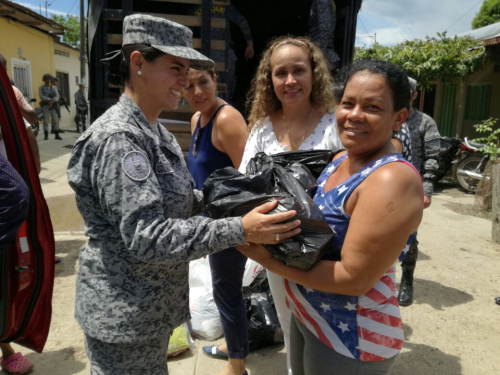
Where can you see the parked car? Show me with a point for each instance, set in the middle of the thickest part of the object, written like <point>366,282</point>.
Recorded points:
<point>27,266</point>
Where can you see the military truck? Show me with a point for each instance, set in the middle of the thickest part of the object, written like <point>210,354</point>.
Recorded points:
<point>267,19</point>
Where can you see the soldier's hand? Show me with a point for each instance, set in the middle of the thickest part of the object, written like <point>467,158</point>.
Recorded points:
<point>264,229</point>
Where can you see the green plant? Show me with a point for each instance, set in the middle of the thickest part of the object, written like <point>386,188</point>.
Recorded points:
<point>430,59</point>
<point>488,14</point>
<point>72,25</point>
<point>492,139</point>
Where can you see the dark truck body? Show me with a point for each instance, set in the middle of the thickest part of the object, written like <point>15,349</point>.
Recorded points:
<point>267,19</point>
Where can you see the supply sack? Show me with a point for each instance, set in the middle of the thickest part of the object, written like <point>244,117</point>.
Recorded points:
<point>314,160</point>
<point>229,193</point>
<point>180,341</point>
<point>264,328</point>
<point>205,318</point>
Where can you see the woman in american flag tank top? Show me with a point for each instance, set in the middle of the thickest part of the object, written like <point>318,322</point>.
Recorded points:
<point>346,317</point>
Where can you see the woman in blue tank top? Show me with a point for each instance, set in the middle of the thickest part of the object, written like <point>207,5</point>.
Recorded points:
<point>346,315</point>
<point>218,140</point>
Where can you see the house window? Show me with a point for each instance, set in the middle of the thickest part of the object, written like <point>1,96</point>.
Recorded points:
<point>64,86</point>
<point>21,73</point>
<point>478,102</point>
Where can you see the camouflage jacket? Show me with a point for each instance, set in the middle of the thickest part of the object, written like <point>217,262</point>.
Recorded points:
<point>46,93</point>
<point>322,22</point>
<point>425,145</point>
<point>136,197</point>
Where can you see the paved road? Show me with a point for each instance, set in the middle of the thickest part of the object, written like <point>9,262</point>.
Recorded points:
<point>453,327</point>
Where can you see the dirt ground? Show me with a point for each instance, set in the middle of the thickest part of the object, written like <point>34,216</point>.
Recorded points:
<point>452,328</point>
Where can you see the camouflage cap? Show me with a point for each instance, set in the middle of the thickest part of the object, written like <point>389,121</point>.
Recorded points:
<point>164,35</point>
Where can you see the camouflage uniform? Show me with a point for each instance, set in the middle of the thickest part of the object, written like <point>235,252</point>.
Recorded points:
<point>425,145</point>
<point>231,15</point>
<point>322,21</point>
<point>46,93</point>
<point>81,110</point>
<point>136,197</point>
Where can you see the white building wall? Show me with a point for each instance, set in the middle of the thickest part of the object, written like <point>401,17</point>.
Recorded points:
<point>67,61</point>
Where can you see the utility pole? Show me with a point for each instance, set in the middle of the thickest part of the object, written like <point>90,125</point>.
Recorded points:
<point>46,4</point>
<point>82,43</point>
<point>40,5</point>
<point>375,38</point>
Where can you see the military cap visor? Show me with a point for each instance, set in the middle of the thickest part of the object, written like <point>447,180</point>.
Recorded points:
<point>167,36</point>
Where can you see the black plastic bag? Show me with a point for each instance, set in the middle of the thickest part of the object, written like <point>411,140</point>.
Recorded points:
<point>314,160</point>
<point>229,193</point>
<point>264,328</point>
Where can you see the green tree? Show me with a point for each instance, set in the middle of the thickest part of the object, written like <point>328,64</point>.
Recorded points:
<point>72,25</point>
<point>488,14</point>
<point>430,59</point>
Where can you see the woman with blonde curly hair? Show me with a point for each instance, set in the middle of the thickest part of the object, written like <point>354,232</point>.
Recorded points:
<point>292,105</point>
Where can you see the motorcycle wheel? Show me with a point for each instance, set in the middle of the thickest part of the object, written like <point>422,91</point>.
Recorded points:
<point>470,163</point>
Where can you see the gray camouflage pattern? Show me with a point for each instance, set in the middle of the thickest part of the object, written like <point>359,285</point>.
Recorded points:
<point>165,35</point>
<point>132,283</point>
<point>48,93</point>
<point>139,358</point>
<point>424,135</point>
<point>322,21</point>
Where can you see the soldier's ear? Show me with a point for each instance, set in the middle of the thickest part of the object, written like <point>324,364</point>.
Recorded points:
<point>136,61</point>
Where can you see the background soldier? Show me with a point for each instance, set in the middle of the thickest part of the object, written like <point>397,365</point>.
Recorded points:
<point>82,108</point>
<point>48,97</point>
<point>62,100</point>
<point>425,144</point>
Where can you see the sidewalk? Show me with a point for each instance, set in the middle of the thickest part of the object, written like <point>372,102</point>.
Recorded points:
<point>452,328</point>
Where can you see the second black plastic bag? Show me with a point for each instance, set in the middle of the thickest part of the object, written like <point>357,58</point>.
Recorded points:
<point>229,193</point>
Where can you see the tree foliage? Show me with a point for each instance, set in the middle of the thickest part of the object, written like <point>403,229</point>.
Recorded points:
<point>72,25</point>
<point>492,138</point>
<point>488,14</point>
<point>430,59</point>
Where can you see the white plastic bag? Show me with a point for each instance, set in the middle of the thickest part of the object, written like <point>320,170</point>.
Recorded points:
<point>205,318</point>
<point>252,270</point>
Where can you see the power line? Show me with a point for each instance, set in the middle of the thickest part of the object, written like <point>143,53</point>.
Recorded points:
<point>475,5</point>
<point>362,24</point>
<point>72,7</point>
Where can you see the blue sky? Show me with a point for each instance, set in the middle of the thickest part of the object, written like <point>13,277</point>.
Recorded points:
<point>392,20</point>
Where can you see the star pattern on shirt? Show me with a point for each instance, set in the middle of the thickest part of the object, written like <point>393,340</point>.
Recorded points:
<point>330,170</point>
<point>325,307</point>
<point>322,184</point>
<point>321,206</point>
<point>309,290</point>
<point>342,189</point>
<point>344,327</point>
<point>350,306</point>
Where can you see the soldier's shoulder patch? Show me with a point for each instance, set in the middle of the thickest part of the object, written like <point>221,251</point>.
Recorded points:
<point>136,166</point>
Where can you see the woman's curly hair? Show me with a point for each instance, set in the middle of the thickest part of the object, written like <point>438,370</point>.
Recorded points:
<point>262,99</point>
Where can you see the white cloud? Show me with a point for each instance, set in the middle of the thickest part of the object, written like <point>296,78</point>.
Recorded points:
<point>397,20</point>
<point>37,9</point>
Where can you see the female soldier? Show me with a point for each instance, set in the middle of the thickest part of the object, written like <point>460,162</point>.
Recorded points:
<point>346,316</point>
<point>136,197</point>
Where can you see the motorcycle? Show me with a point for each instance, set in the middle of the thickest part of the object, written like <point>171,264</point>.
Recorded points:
<point>447,153</point>
<point>471,163</point>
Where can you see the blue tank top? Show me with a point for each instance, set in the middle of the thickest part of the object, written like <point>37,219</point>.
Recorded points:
<point>208,159</point>
<point>366,327</point>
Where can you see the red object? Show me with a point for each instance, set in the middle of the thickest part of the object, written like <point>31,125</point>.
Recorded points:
<point>27,266</point>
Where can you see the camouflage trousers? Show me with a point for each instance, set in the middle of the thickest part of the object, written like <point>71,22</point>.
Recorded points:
<point>140,358</point>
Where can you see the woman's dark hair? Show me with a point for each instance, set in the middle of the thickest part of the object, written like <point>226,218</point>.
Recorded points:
<point>396,79</point>
<point>119,69</point>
